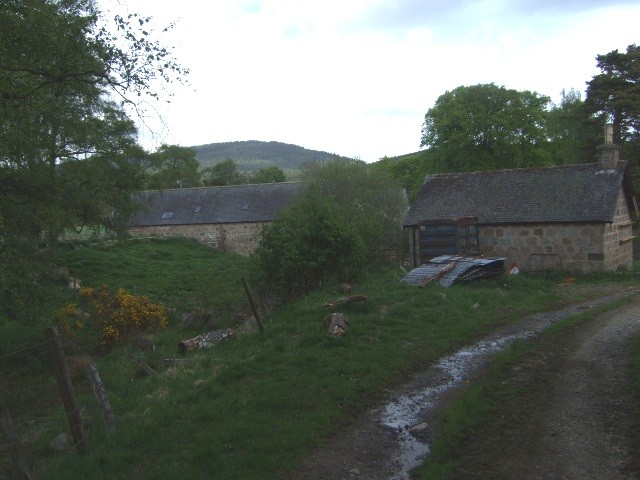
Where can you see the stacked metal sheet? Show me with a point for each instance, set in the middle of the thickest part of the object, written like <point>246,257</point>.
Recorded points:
<point>464,269</point>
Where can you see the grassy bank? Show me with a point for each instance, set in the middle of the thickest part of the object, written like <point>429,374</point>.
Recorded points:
<point>252,407</point>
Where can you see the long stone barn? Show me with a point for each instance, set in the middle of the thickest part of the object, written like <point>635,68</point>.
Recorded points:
<point>572,217</point>
<point>228,218</point>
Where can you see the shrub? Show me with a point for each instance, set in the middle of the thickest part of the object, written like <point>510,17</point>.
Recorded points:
<point>309,243</point>
<point>347,218</point>
<point>110,316</point>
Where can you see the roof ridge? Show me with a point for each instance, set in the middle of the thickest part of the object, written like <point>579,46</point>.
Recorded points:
<point>520,169</point>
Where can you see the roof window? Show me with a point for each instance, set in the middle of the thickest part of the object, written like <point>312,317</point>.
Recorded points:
<point>167,215</point>
<point>198,209</point>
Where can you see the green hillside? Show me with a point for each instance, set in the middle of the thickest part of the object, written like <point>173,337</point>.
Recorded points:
<point>252,155</point>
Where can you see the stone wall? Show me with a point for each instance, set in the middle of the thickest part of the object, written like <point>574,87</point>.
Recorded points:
<point>573,247</point>
<point>240,238</point>
<point>587,247</point>
<point>618,238</point>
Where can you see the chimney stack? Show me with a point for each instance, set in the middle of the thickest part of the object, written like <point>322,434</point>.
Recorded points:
<point>608,153</point>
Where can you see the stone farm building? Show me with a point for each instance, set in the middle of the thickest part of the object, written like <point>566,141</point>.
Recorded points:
<point>571,217</point>
<point>228,218</point>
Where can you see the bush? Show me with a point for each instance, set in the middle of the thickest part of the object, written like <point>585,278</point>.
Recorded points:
<point>109,316</point>
<point>310,242</point>
<point>347,218</point>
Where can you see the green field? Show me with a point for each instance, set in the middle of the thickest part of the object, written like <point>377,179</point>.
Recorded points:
<point>252,407</point>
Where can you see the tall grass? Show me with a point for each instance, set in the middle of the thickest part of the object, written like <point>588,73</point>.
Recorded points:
<point>252,407</point>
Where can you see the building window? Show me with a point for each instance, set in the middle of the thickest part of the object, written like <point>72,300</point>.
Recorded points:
<point>167,215</point>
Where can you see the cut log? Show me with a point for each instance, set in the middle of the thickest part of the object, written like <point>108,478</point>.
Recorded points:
<point>206,339</point>
<point>350,299</point>
<point>436,276</point>
<point>338,324</point>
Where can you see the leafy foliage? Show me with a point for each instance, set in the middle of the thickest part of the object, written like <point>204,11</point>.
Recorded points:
<point>68,153</point>
<point>268,175</point>
<point>485,127</point>
<point>310,243</point>
<point>173,166</point>
<point>348,218</point>
<point>224,173</point>
<point>408,170</point>
<point>573,133</point>
<point>113,316</point>
<point>614,95</point>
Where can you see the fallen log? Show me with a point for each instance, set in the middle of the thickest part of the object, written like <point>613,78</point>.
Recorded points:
<point>206,339</point>
<point>338,324</point>
<point>436,276</point>
<point>350,299</point>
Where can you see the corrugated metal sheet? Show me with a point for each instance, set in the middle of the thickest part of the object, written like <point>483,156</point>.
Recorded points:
<point>466,269</point>
<point>211,205</point>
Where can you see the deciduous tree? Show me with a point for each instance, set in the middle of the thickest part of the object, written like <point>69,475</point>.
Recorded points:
<point>486,126</point>
<point>68,153</point>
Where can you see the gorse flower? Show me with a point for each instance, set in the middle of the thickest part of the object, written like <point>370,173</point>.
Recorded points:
<point>114,316</point>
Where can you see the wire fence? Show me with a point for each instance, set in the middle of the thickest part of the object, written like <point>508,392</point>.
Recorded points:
<point>39,436</point>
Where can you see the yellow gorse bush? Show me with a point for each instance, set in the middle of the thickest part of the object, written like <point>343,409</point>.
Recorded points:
<point>113,315</point>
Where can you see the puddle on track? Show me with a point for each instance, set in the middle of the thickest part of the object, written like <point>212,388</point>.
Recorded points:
<point>405,411</point>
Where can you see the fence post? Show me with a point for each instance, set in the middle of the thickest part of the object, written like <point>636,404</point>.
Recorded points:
<point>66,390</point>
<point>101,396</point>
<point>254,309</point>
<point>6,426</point>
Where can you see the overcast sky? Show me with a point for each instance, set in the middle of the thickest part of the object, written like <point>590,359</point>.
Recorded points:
<point>356,77</point>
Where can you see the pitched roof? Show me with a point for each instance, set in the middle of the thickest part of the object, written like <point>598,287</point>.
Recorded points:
<point>568,193</point>
<point>208,205</point>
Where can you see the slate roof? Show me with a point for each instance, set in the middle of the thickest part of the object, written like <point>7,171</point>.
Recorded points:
<point>568,193</point>
<point>210,205</point>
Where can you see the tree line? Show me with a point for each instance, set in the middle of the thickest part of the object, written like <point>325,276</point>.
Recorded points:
<point>487,126</point>
<point>72,81</point>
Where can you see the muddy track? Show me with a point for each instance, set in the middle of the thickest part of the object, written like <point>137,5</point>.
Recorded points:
<point>574,413</point>
<point>381,444</point>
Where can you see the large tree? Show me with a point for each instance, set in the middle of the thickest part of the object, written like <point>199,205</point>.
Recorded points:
<point>573,133</point>
<point>614,95</point>
<point>486,126</point>
<point>223,173</point>
<point>68,153</point>
<point>174,166</point>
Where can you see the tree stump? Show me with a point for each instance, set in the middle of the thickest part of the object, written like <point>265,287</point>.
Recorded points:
<point>338,324</point>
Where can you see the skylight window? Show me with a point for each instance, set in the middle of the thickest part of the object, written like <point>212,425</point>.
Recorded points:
<point>245,206</point>
<point>167,215</point>
<point>198,209</point>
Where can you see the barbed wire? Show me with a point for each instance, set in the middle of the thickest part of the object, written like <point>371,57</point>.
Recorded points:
<point>2,357</point>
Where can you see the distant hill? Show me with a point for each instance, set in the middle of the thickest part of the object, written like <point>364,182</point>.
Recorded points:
<point>252,155</point>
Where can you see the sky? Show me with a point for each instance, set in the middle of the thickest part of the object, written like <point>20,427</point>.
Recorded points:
<point>356,77</point>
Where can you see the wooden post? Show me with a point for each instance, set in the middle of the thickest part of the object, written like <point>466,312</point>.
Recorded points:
<point>142,364</point>
<point>66,390</point>
<point>254,309</point>
<point>101,395</point>
<point>6,427</point>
